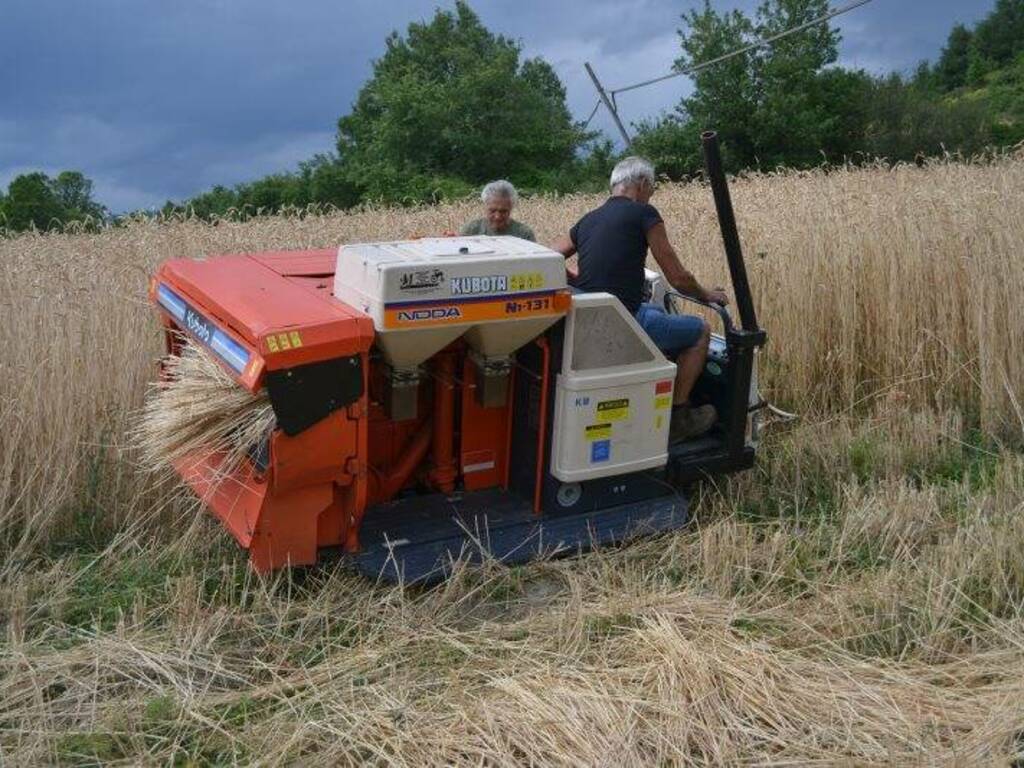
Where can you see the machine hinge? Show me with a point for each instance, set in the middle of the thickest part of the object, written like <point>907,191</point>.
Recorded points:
<point>355,468</point>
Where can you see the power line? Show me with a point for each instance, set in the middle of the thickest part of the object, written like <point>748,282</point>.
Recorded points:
<point>745,49</point>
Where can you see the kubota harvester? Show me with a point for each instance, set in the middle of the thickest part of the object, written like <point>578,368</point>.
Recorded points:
<point>452,398</point>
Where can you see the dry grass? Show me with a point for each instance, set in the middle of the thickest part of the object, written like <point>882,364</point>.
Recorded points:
<point>797,625</point>
<point>858,598</point>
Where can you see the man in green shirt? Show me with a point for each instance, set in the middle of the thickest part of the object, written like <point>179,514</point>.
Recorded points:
<point>499,198</point>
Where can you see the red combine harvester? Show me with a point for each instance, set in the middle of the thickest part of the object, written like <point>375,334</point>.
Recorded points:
<point>451,398</point>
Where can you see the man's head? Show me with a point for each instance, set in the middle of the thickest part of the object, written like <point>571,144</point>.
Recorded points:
<point>499,198</point>
<point>633,177</point>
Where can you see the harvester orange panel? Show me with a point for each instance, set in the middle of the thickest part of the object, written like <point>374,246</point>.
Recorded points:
<point>287,322</point>
<point>313,492</point>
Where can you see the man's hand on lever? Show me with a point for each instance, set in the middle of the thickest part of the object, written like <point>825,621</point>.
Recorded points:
<point>716,295</point>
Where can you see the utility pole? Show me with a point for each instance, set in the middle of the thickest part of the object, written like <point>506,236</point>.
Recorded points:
<point>608,103</point>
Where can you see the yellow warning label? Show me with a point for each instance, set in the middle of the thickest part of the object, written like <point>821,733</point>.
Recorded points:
<point>526,281</point>
<point>658,421</point>
<point>281,342</point>
<point>597,431</point>
<point>663,401</point>
<point>613,410</point>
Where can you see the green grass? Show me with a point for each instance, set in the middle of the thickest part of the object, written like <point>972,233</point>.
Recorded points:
<point>108,587</point>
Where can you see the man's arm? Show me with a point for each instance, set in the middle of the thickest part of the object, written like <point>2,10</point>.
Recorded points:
<point>677,275</point>
<point>565,246</point>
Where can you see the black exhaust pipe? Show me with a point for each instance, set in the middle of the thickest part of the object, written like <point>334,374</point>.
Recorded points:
<point>730,237</point>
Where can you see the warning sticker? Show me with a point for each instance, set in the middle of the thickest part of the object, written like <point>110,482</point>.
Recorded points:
<point>597,431</point>
<point>527,281</point>
<point>283,341</point>
<point>662,402</point>
<point>613,410</point>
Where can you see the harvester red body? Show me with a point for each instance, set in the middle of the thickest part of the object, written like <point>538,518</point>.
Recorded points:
<point>478,408</point>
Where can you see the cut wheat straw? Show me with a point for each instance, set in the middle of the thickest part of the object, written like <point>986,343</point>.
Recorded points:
<point>198,408</point>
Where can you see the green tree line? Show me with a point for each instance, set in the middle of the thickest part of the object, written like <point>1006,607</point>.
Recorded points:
<point>789,105</point>
<point>34,200</point>
<point>451,105</point>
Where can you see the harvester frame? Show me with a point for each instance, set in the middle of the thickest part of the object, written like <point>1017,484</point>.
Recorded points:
<point>404,477</point>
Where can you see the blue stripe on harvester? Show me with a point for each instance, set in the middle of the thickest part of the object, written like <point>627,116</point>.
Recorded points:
<point>226,348</point>
<point>170,301</point>
<point>231,353</point>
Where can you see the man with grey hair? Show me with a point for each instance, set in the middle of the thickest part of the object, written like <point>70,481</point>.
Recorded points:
<point>499,198</point>
<point>612,243</point>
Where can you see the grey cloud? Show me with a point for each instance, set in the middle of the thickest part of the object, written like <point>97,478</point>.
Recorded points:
<point>157,100</point>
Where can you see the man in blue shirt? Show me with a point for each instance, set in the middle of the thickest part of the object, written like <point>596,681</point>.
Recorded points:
<point>612,243</point>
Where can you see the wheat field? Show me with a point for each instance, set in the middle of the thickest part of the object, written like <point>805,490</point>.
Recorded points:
<point>857,598</point>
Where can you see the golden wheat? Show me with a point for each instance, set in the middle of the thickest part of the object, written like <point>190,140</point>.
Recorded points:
<point>901,282</point>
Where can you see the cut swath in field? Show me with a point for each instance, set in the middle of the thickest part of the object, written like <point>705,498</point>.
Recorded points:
<point>195,409</point>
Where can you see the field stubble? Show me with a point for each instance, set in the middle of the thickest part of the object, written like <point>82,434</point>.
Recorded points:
<point>859,596</point>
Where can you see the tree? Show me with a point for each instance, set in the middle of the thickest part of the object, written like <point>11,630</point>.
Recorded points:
<point>773,105</point>
<point>725,95</point>
<point>217,202</point>
<point>31,202</point>
<point>272,193</point>
<point>450,105</point>
<point>74,191</point>
<point>952,66</point>
<point>672,143</point>
<point>999,37</point>
<point>792,106</point>
<point>327,182</point>
<point>906,123</point>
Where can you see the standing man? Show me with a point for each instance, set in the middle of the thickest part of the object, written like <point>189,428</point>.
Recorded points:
<point>612,243</point>
<point>499,198</point>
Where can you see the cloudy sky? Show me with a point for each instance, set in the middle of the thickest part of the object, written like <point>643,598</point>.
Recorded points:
<point>158,100</point>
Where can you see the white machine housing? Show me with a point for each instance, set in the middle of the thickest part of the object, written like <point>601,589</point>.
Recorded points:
<point>613,396</point>
<point>423,294</point>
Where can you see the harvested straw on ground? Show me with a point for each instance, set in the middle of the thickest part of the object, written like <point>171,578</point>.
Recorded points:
<point>196,408</point>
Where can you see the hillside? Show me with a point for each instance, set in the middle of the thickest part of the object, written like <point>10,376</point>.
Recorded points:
<point>1002,98</point>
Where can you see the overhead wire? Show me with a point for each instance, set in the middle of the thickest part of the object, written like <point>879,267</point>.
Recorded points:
<point>739,51</point>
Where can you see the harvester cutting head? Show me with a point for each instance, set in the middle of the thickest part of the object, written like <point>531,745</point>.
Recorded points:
<point>439,399</point>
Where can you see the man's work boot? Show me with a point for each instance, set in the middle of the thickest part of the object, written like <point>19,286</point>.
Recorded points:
<point>688,422</point>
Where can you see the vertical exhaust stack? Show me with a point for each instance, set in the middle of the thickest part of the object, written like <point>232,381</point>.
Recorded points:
<point>730,237</point>
<point>741,342</point>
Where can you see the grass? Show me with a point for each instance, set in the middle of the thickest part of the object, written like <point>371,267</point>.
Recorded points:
<point>857,598</point>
